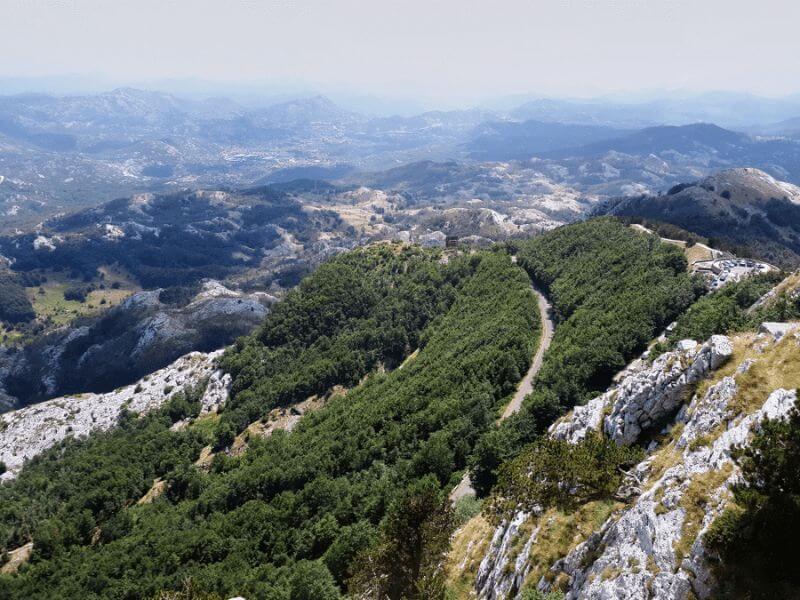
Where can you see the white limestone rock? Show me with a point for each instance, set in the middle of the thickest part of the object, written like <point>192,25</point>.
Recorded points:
<point>217,391</point>
<point>646,399</point>
<point>633,554</point>
<point>29,431</point>
<point>435,239</point>
<point>648,532</point>
<point>777,330</point>
<point>646,395</point>
<point>493,580</point>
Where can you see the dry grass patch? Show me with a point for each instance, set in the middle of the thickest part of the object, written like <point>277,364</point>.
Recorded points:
<point>667,456</point>
<point>284,418</point>
<point>159,487</point>
<point>743,348</point>
<point>789,284</point>
<point>17,558</point>
<point>694,502</point>
<point>51,304</point>
<point>205,459</point>
<point>467,548</point>
<point>696,253</point>
<point>777,367</point>
<point>560,532</point>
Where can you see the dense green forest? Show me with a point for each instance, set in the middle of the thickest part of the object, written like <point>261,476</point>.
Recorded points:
<point>15,307</point>
<point>297,513</point>
<point>612,290</point>
<point>727,310</point>
<point>355,496</point>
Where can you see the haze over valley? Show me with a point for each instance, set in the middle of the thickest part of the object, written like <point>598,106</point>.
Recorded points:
<point>419,301</point>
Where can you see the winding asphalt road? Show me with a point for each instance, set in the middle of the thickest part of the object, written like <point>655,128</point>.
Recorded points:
<point>526,385</point>
<point>464,488</point>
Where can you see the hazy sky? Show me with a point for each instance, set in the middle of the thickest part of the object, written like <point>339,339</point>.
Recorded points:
<point>441,49</point>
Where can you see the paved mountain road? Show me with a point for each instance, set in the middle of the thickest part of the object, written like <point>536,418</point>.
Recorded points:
<point>525,387</point>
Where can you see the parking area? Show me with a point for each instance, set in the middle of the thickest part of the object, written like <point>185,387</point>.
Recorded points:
<point>726,270</point>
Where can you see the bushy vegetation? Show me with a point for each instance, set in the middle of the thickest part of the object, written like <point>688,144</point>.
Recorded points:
<point>77,489</point>
<point>756,539</point>
<point>15,307</point>
<point>185,245</point>
<point>611,290</point>
<point>724,310</point>
<point>556,473</point>
<point>289,517</point>
<point>409,559</point>
<point>78,292</point>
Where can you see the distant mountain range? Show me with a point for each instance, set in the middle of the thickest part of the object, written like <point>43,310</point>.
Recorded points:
<point>685,139</point>
<point>61,154</point>
<point>727,109</point>
<point>509,140</point>
<point>745,210</point>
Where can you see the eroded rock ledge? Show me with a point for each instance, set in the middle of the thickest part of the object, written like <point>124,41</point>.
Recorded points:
<point>647,394</point>
<point>652,546</point>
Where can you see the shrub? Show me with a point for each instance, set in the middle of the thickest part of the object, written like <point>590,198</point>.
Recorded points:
<point>756,539</point>
<point>77,293</point>
<point>556,473</point>
<point>15,307</point>
<point>408,561</point>
<point>311,580</point>
<point>466,507</point>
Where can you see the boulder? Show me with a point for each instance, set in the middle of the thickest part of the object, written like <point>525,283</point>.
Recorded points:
<point>777,330</point>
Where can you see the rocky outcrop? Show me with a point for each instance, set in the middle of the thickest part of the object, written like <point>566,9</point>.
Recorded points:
<point>495,579</point>
<point>651,547</point>
<point>778,330</point>
<point>30,431</point>
<point>654,548</point>
<point>647,394</point>
<point>140,335</point>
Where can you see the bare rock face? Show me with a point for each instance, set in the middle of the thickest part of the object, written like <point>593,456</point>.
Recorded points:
<point>778,330</point>
<point>29,431</point>
<point>494,580</point>
<point>643,401</point>
<point>653,546</point>
<point>654,549</point>
<point>647,395</point>
<point>140,335</point>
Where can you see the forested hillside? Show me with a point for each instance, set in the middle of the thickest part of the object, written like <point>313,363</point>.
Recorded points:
<point>305,514</point>
<point>408,356</point>
<point>612,291</point>
<point>678,481</point>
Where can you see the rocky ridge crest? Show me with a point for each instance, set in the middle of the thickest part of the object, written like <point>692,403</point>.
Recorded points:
<point>27,432</point>
<point>651,547</point>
